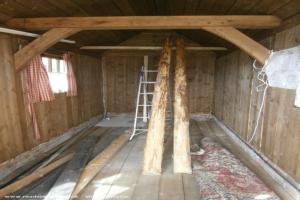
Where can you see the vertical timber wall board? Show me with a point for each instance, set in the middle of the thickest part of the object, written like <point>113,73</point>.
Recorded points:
<point>122,72</point>
<point>10,127</point>
<point>55,117</point>
<point>237,104</point>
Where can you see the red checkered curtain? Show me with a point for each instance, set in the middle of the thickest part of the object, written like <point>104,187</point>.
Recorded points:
<point>72,86</point>
<point>37,88</point>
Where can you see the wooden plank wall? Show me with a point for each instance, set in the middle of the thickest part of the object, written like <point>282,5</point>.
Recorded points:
<point>237,104</point>
<point>54,118</point>
<point>122,74</point>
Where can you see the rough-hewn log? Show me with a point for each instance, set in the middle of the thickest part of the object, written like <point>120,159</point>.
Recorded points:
<point>250,46</point>
<point>146,22</point>
<point>156,129</point>
<point>181,156</point>
<point>40,44</point>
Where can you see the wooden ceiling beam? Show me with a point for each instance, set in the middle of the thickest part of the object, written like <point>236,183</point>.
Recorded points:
<point>152,48</point>
<point>250,46</point>
<point>146,22</point>
<point>39,45</point>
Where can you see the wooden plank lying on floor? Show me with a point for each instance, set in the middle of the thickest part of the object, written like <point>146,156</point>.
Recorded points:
<point>146,22</point>
<point>72,171</point>
<point>40,187</point>
<point>129,174</point>
<point>96,165</point>
<point>34,176</point>
<point>66,146</point>
<point>107,138</point>
<point>101,184</point>
<point>15,167</point>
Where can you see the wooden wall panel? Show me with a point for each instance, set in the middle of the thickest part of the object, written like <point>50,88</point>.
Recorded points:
<point>55,117</point>
<point>10,127</point>
<point>122,74</point>
<point>278,135</point>
<point>200,79</point>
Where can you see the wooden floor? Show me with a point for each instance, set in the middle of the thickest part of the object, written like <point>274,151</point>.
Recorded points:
<point>122,177</point>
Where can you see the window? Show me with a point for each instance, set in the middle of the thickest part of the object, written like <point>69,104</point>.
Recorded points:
<point>57,73</point>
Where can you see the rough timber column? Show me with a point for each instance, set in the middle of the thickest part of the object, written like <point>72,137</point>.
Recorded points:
<point>182,158</point>
<point>156,130</point>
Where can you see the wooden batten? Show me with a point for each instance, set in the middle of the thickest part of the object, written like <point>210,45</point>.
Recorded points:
<point>250,46</point>
<point>182,157</point>
<point>41,44</point>
<point>155,138</point>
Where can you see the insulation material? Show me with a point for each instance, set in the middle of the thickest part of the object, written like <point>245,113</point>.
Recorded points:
<point>283,70</point>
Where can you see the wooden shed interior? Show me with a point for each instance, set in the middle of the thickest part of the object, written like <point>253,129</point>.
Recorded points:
<point>149,99</point>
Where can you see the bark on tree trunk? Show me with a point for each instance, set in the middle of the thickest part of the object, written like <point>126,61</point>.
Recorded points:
<point>156,130</point>
<point>182,158</point>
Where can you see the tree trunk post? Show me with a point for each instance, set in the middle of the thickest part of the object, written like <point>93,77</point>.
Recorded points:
<point>156,130</point>
<point>182,158</point>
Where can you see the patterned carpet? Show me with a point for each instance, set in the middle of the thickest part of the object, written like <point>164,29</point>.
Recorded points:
<point>222,176</point>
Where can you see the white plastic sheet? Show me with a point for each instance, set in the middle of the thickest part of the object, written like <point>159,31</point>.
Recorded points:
<point>283,70</point>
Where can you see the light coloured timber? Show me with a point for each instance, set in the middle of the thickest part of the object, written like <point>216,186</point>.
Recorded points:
<point>39,45</point>
<point>156,130</point>
<point>146,22</point>
<point>37,174</point>
<point>250,46</point>
<point>97,164</point>
<point>154,48</point>
<point>182,157</point>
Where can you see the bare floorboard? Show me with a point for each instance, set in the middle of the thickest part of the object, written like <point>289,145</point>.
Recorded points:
<point>122,177</point>
<point>101,184</point>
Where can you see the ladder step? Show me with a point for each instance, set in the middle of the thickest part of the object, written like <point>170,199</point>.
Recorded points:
<point>149,70</point>
<point>148,82</point>
<point>147,93</point>
<point>145,105</point>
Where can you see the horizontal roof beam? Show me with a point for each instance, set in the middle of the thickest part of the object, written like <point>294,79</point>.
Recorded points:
<point>147,22</point>
<point>151,48</point>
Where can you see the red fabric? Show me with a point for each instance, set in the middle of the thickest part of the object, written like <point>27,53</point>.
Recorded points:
<point>72,86</point>
<point>37,88</point>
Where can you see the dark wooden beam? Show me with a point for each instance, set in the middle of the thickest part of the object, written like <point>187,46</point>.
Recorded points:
<point>146,22</point>
<point>245,43</point>
<point>39,45</point>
